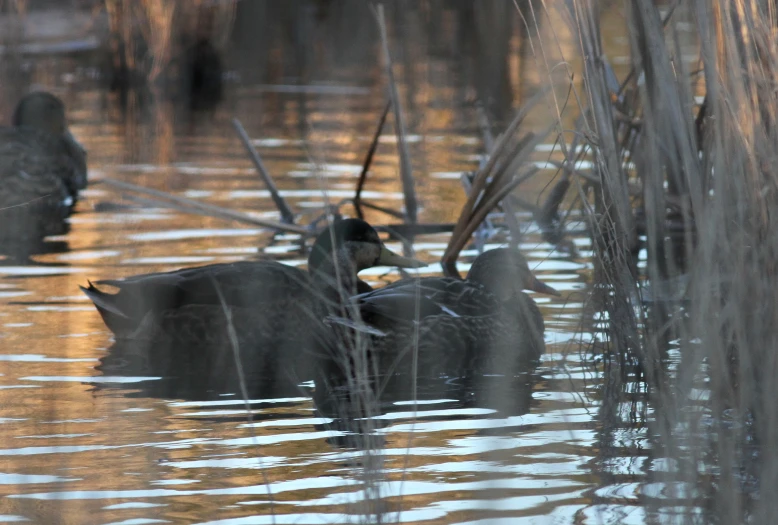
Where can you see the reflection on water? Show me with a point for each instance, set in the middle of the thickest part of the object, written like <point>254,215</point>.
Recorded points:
<point>99,432</point>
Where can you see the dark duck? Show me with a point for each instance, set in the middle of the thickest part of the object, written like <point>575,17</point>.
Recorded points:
<point>268,303</point>
<point>42,169</point>
<point>485,320</point>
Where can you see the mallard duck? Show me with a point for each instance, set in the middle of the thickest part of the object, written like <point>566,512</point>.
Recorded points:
<point>457,324</point>
<point>42,169</point>
<point>268,302</point>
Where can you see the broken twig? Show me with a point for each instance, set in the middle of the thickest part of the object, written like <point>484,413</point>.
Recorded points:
<point>399,124</point>
<point>494,182</point>
<point>200,208</point>
<point>369,161</point>
<point>286,213</point>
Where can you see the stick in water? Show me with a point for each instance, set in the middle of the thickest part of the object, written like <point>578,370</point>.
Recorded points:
<point>286,213</point>
<point>369,161</point>
<point>201,208</point>
<point>399,124</point>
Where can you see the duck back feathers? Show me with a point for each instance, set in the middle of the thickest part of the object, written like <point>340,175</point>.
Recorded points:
<point>259,286</point>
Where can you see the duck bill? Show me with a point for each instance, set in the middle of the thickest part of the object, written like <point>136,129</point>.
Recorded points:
<point>536,286</point>
<point>389,258</point>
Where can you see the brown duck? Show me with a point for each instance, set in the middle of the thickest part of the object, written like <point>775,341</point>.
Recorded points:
<point>457,325</point>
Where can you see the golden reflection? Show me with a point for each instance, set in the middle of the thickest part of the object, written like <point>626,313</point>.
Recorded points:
<point>134,441</point>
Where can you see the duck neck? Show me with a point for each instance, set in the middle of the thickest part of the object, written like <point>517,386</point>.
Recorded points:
<point>336,277</point>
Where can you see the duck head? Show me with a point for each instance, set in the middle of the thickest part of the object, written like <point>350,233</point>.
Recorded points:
<point>504,272</point>
<point>45,112</point>
<point>42,111</point>
<point>353,245</point>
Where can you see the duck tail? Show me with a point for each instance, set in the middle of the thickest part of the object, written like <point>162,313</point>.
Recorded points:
<point>107,306</point>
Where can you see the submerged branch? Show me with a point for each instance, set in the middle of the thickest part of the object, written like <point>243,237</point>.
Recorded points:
<point>190,206</point>
<point>286,212</point>
<point>384,209</point>
<point>368,161</point>
<point>406,172</point>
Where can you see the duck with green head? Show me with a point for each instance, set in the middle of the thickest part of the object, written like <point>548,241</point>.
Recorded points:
<point>269,303</point>
<point>42,169</point>
<point>457,325</point>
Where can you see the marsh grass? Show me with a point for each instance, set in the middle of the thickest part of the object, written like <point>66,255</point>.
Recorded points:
<point>692,185</point>
<point>696,187</point>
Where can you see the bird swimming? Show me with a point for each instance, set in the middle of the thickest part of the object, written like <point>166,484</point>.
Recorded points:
<point>267,300</point>
<point>42,170</point>
<point>457,324</point>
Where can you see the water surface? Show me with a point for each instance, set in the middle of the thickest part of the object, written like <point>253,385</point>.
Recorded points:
<point>82,444</point>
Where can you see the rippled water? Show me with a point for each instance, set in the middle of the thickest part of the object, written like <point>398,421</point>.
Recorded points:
<point>83,445</point>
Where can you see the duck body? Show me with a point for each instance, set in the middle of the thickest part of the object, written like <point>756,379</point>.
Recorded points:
<point>179,304</point>
<point>42,169</point>
<point>174,325</point>
<point>266,302</point>
<point>482,322</point>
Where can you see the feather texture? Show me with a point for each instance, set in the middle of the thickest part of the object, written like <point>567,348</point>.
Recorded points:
<point>483,322</point>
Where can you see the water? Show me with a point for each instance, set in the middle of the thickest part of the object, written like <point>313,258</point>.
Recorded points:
<point>84,443</point>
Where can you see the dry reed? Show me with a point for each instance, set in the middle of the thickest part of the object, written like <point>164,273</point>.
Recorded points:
<point>706,201</point>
